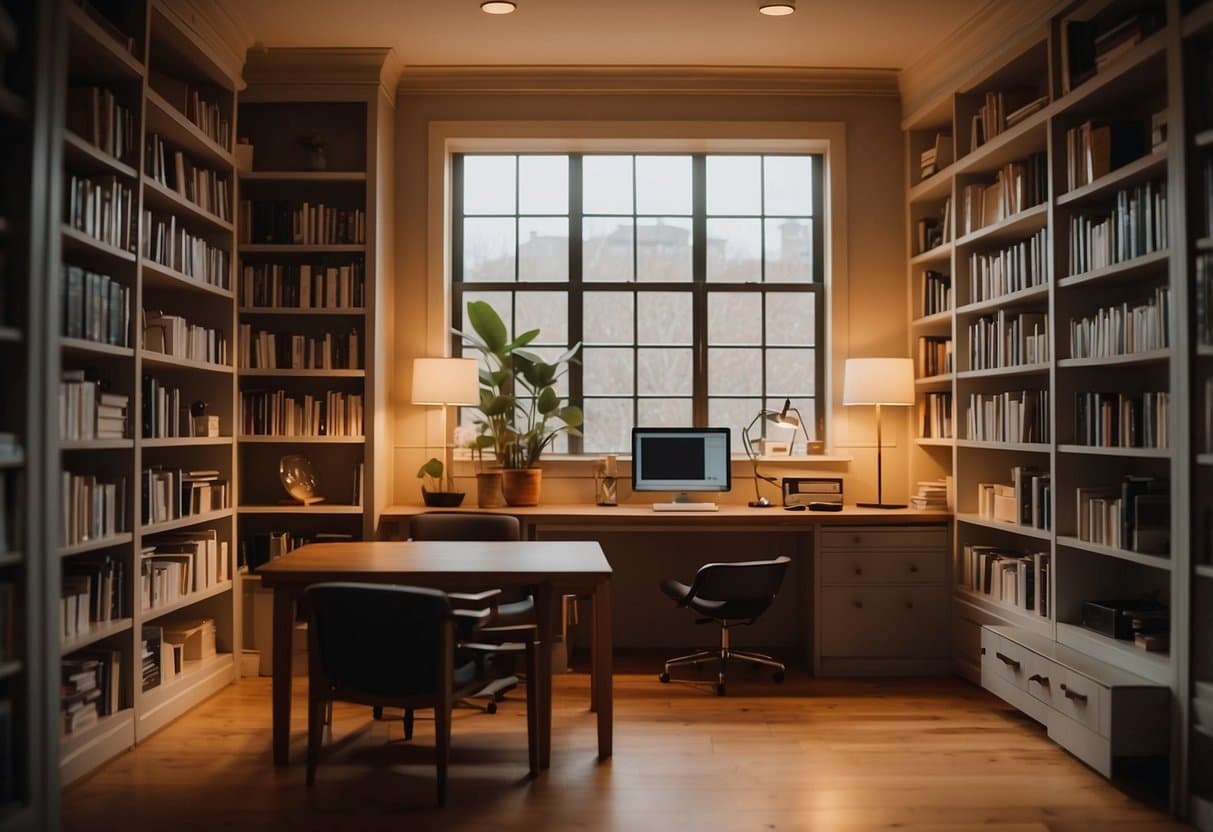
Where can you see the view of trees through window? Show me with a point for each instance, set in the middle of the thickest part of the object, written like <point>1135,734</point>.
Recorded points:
<point>693,281</point>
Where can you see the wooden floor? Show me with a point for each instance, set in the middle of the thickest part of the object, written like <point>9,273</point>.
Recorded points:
<point>807,755</point>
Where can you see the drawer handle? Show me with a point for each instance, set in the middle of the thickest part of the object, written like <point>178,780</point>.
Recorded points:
<point>1073,695</point>
<point>1007,660</point>
<point>909,605</point>
<point>857,540</point>
<point>858,570</point>
<point>1043,681</point>
<point>913,568</point>
<point>858,605</point>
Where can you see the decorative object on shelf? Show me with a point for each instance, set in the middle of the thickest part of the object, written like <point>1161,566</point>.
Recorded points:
<point>299,479</point>
<point>883,382</point>
<point>443,382</point>
<point>204,424</point>
<point>606,482</point>
<point>788,417</point>
<point>317,158</point>
<point>803,491</point>
<point>520,432</point>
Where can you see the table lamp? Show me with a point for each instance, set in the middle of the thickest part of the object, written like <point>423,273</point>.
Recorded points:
<point>444,382</point>
<point>887,382</point>
<point>789,417</point>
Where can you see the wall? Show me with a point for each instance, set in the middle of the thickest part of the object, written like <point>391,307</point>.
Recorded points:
<point>870,291</point>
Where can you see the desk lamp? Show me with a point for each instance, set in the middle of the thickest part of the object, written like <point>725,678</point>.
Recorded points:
<point>445,382</point>
<point>788,417</point>
<point>887,382</point>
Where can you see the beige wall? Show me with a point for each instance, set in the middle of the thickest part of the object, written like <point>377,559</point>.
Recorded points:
<point>869,293</point>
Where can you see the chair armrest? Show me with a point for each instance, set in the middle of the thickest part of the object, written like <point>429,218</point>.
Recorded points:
<point>481,647</point>
<point>474,600</point>
<point>469,622</point>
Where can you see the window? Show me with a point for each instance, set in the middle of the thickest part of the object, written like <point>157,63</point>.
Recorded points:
<point>693,281</point>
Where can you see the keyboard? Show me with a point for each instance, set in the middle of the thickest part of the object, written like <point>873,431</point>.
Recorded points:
<point>684,507</point>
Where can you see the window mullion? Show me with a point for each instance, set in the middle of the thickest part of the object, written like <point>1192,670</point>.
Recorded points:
<point>576,294</point>
<point>699,296</point>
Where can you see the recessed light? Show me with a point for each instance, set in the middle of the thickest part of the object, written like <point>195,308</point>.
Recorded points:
<point>498,6</point>
<point>782,8</point>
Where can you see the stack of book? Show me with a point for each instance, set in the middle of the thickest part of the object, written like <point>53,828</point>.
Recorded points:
<point>935,416</point>
<point>169,243</point>
<point>92,508</point>
<point>176,565</point>
<point>1021,416</point>
<point>95,307</point>
<point>936,157</point>
<point>931,494</point>
<point>1137,226</point>
<point>1018,579</point>
<point>281,286</point>
<point>936,293</point>
<point>1135,516</point>
<point>280,222</point>
<point>92,592</point>
<point>1122,420</point>
<point>1008,339</point>
<point>1125,329</point>
<point>150,645</point>
<point>174,335</point>
<point>934,355</point>
<point>170,494</point>
<point>1025,501</point>
<point>1017,186</point>
<point>207,116</point>
<point>266,349</point>
<point>90,688</point>
<point>87,411</point>
<point>277,414</point>
<point>1095,149</point>
<point>1001,111</point>
<point>1013,268</point>
<point>94,114</point>
<point>200,185</point>
<point>103,208</point>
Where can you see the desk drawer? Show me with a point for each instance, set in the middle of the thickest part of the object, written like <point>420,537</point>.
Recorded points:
<point>862,567</point>
<point>1009,663</point>
<point>885,621</point>
<point>884,538</point>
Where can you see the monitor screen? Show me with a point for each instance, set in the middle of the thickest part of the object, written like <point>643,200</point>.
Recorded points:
<point>681,459</point>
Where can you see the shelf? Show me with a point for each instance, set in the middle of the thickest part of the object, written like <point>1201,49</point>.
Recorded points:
<point>1020,447</point>
<point>15,459</point>
<point>1195,22</point>
<point>80,345</point>
<point>82,156</point>
<point>1030,295</point>
<point>351,311</point>
<point>1205,570</point>
<point>1011,145</point>
<point>1107,89</point>
<point>169,200</point>
<point>1009,528</point>
<point>934,442</point>
<point>1204,244</point>
<point>1204,350</point>
<point>11,558</point>
<point>8,669</point>
<point>1012,229</point>
<point>1096,450</point>
<point>302,440</point>
<point>96,633</point>
<point>1013,615</point>
<point>1002,372</point>
<point>1155,561</point>
<point>185,441</point>
<point>926,321</point>
<point>192,598</point>
<point>163,118</point>
<point>935,187</point>
<point>156,276</point>
<point>10,335</point>
<point>95,545</point>
<point>95,444</point>
<point>168,700</point>
<point>1151,357</point>
<point>940,252</point>
<point>318,509</point>
<point>149,529</point>
<point>159,359</point>
<point>292,248</point>
<point>304,176</point>
<point>934,381</point>
<point>252,372</point>
<point>1140,170</point>
<point>1204,459</point>
<point>1203,139</point>
<point>87,749</point>
<point>76,240</point>
<point>1126,271</point>
<point>96,49</point>
<point>1153,666</point>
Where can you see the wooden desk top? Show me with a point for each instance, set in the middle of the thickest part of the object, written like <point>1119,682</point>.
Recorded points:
<point>444,563</point>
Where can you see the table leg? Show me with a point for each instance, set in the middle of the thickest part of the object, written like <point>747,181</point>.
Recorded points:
<point>546,609</point>
<point>284,629</point>
<point>602,662</point>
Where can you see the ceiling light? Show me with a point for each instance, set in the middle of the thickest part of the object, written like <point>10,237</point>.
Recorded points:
<point>498,6</point>
<point>778,8</point>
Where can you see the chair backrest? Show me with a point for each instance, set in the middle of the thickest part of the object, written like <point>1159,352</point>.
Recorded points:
<point>378,639</point>
<point>750,580</point>
<point>463,526</point>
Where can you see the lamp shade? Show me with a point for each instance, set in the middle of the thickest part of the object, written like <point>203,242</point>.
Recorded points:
<point>446,381</point>
<point>886,381</point>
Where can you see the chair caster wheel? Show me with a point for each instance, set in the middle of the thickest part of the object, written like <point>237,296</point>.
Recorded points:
<point>663,677</point>
<point>490,708</point>
<point>720,689</point>
<point>777,676</point>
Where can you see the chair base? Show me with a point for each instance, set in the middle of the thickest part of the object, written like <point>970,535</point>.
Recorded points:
<point>723,656</point>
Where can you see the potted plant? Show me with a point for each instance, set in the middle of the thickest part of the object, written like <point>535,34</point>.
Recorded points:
<point>435,496</point>
<point>521,413</point>
<point>488,483</point>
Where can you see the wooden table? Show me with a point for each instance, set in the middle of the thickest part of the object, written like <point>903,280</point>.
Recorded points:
<point>552,567</point>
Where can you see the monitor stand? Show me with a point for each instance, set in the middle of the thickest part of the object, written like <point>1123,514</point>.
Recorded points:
<point>683,502</point>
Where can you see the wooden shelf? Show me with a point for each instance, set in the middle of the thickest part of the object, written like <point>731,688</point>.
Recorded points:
<point>159,359</point>
<point>96,49</point>
<point>940,252</point>
<point>1130,270</point>
<point>1010,230</point>
<point>1012,615</point>
<point>11,558</point>
<point>928,321</point>
<point>1150,166</point>
<point>1204,350</point>
<point>13,459</point>
<point>9,668</point>
<point>189,600</point>
<point>1096,450</point>
<point>1029,296</point>
<point>184,441</point>
<point>1155,561</point>
<point>96,544</point>
<point>1203,138</point>
<point>168,700</point>
<point>1204,570</point>
<point>1151,357</point>
<point>302,440</point>
<point>1013,144</point>
<point>10,335</point>
<point>1002,372</point>
<point>95,444</point>
<point>1153,666</point>
<point>1204,244</point>
<point>82,156</point>
<point>934,442</point>
<point>75,240</point>
<point>90,747</point>
<point>934,381</point>
<point>348,311</point>
<point>149,529</point>
<point>1019,447</point>
<point>292,248</point>
<point>79,345</point>
<point>166,199</point>
<point>96,633</point>
<point>1009,528</point>
<point>259,373</point>
<point>1109,87</point>
<point>156,276</point>
<point>165,119</point>
<point>1204,459</point>
<point>318,508</point>
<point>311,177</point>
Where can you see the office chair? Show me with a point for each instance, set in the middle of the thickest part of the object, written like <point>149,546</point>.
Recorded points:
<point>734,594</point>
<point>396,645</point>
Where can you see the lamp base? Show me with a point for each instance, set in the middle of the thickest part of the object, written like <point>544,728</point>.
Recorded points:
<point>761,502</point>
<point>881,505</point>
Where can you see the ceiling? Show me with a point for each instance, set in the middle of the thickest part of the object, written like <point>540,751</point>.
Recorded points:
<point>888,34</point>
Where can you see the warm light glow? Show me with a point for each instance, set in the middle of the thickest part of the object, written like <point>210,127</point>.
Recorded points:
<point>443,381</point>
<point>778,9</point>
<point>498,6</point>
<point>887,381</point>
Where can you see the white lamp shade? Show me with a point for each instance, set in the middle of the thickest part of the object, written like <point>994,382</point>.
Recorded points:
<point>444,381</point>
<point>885,381</point>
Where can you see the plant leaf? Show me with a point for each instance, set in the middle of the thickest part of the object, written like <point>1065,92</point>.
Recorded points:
<point>488,325</point>
<point>571,416</point>
<point>522,340</point>
<point>432,468</point>
<point>548,402</point>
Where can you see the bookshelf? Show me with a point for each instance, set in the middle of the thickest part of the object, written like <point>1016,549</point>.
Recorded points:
<point>1144,76</point>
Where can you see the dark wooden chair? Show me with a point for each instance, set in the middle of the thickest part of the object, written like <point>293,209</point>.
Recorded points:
<point>397,646</point>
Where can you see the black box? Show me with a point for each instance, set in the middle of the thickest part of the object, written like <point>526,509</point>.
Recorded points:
<point>1115,618</point>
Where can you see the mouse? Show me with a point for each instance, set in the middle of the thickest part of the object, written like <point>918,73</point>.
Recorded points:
<point>795,508</point>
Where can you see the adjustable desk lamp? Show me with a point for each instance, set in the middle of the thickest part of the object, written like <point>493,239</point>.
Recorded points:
<point>789,417</point>
<point>885,382</point>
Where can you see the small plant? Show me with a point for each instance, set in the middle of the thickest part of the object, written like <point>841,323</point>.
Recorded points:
<point>432,470</point>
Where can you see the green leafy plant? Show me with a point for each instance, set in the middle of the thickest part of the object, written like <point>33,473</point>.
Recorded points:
<point>521,412</point>
<point>433,470</point>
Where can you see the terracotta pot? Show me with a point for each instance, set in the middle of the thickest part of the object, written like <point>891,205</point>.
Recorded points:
<point>442,499</point>
<point>521,486</point>
<point>488,490</point>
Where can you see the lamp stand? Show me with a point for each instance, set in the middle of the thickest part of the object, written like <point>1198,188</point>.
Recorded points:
<point>880,503</point>
<point>447,460</point>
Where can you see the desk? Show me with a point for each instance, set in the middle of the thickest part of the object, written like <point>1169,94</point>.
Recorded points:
<point>552,567</point>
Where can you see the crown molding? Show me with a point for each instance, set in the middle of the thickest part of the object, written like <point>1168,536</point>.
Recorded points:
<point>977,46</point>
<point>216,26</point>
<point>632,80</point>
<point>323,66</point>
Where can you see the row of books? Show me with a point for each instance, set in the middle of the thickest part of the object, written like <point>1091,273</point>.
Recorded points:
<point>164,416</point>
<point>102,207</point>
<point>278,414</point>
<point>1122,420</point>
<point>1022,502</point>
<point>1019,579</point>
<point>1014,268</point>
<point>177,566</point>
<point>304,286</point>
<point>173,169</point>
<point>96,115</point>
<point>264,349</point>
<point>93,591</point>
<point>935,231</point>
<point>197,106</point>
<point>1015,416</point>
<point>936,293</point>
<point>95,307</point>
<point>938,156</point>
<point>174,493</point>
<point>935,416</point>
<point>1124,329</point>
<point>1090,45</point>
<point>1135,515</point>
<point>1137,226</point>
<point>1002,110</point>
<point>87,411</point>
<point>8,621</point>
<point>1017,186</point>
<point>170,244</point>
<point>1204,298</point>
<point>281,222</point>
<point>93,508</point>
<point>166,648</point>
<point>934,355</point>
<point>90,688</point>
<point>1095,149</point>
<point>931,494</point>
<point>174,335</point>
<point>262,547</point>
<point>1008,339</point>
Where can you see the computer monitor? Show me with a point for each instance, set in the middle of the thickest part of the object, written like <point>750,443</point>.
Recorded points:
<point>681,460</point>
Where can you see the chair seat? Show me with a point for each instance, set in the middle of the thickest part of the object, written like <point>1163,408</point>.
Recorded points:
<point>720,610</point>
